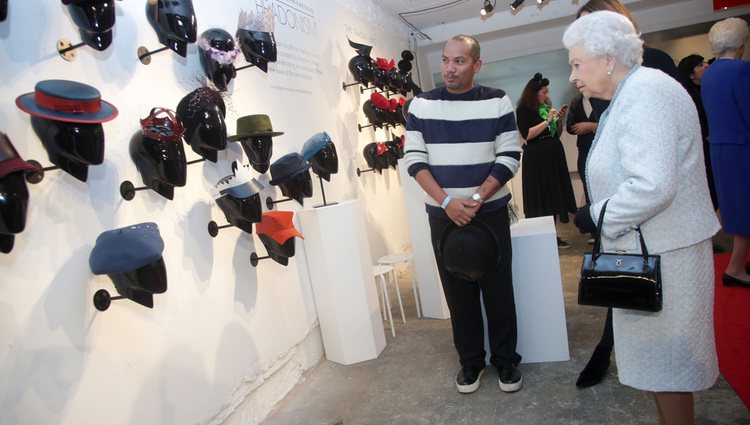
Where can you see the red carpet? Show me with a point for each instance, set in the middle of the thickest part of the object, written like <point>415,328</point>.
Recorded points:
<point>732,326</point>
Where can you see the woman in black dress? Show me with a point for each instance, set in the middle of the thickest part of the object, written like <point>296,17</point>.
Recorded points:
<point>546,180</point>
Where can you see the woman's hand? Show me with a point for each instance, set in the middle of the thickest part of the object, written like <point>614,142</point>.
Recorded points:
<point>561,113</point>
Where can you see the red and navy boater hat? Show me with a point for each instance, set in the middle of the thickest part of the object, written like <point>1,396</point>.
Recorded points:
<point>68,101</point>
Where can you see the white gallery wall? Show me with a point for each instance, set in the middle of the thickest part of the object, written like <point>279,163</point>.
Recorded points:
<point>226,341</point>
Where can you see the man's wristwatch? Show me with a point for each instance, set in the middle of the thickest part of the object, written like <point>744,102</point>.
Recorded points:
<point>477,197</point>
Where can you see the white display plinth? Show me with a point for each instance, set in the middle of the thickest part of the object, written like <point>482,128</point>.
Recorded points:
<point>537,289</point>
<point>430,289</point>
<point>339,260</point>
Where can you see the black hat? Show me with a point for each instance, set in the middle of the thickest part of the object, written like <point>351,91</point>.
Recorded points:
<point>469,252</point>
<point>288,166</point>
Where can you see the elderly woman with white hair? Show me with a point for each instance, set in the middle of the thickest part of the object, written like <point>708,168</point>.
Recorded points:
<point>725,88</point>
<point>646,160</point>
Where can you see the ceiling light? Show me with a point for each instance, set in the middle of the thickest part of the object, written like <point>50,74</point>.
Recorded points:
<point>516,4</point>
<point>487,7</point>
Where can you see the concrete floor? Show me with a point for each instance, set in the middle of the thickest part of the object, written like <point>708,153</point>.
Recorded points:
<point>412,381</point>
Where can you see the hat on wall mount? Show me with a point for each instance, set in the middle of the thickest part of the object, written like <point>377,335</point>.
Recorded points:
<point>240,184</point>
<point>254,126</point>
<point>278,226</point>
<point>287,167</point>
<point>67,101</point>
<point>10,160</point>
<point>470,252</point>
<point>165,129</point>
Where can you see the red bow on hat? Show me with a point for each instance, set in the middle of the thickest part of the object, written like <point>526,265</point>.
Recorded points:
<point>381,148</point>
<point>379,101</point>
<point>392,106</point>
<point>401,101</point>
<point>382,63</point>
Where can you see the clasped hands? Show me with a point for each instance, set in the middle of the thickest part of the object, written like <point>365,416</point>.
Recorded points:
<point>462,211</point>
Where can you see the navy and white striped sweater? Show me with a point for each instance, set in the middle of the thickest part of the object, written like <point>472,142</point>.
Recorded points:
<point>461,139</point>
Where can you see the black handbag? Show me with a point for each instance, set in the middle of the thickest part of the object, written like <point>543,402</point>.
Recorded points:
<point>630,281</point>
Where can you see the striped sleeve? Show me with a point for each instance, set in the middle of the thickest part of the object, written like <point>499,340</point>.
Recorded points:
<point>415,150</point>
<point>507,146</point>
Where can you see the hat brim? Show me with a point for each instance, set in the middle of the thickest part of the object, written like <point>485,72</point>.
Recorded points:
<point>281,236</point>
<point>238,137</point>
<point>282,179</point>
<point>490,243</point>
<point>15,164</point>
<point>26,103</point>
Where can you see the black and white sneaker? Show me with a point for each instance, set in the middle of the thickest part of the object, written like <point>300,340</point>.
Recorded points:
<point>561,244</point>
<point>467,380</point>
<point>510,379</point>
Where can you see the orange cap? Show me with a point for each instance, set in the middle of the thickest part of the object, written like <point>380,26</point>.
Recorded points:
<point>278,226</point>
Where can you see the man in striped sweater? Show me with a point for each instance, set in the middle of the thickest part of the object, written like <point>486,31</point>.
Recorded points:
<point>462,148</point>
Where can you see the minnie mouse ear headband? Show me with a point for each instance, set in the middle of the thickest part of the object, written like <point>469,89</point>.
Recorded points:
<point>166,129</point>
<point>67,101</point>
<point>538,82</point>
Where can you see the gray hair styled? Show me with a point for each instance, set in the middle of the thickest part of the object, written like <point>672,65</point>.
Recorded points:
<point>606,33</point>
<point>729,34</point>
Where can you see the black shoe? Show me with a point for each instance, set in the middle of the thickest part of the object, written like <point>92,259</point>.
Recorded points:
<point>596,368</point>
<point>561,244</point>
<point>509,378</point>
<point>467,380</point>
<point>732,281</point>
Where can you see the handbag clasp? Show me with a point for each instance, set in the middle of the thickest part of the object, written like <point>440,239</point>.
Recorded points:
<point>618,262</point>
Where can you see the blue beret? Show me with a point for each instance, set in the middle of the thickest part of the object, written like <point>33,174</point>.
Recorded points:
<point>314,144</point>
<point>125,249</point>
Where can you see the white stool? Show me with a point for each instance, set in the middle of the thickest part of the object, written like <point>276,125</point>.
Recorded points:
<point>380,272</point>
<point>404,257</point>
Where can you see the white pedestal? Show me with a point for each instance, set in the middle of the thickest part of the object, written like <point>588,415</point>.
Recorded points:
<point>537,288</point>
<point>430,288</point>
<point>339,260</point>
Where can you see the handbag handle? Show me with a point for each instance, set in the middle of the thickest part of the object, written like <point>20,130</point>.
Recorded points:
<point>597,242</point>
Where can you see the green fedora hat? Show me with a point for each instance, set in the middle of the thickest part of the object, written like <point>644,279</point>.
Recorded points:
<point>254,125</point>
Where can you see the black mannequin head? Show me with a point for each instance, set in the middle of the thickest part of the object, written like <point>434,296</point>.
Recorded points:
<point>174,22</point>
<point>291,172</point>
<point>256,39</point>
<point>14,201</point>
<point>140,284</point>
<point>162,165</point>
<point>279,252</point>
<point>3,10</point>
<point>241,212</point>
<point>362,68</point>
<point>298,187</point>
<point>325,162</point>
<point>238,196</point>
<point>391,154</point>
<point>258,47</point>
<point>320,152</point>
<point>14,196</point>
<point>132,257</point>
<point>374,154</point>
<point>202,113</point>
<point>217,53</point>
<point>72,146</point>
<point>94,19</point>
<point>258,150</point>
<point>255,133</point>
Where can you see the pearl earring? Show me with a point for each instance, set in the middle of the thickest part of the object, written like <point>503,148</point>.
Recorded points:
<point>609,72</point>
